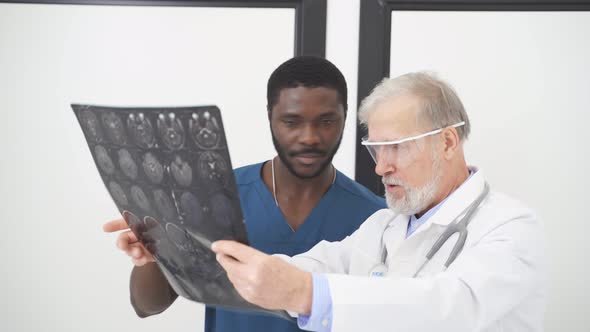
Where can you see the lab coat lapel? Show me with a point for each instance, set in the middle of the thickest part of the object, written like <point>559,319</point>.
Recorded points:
<point>459,200</point>
<point>394,233</point>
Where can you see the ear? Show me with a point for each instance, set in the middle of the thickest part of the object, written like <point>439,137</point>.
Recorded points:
<point>451,142</point>
<point>268,112</point>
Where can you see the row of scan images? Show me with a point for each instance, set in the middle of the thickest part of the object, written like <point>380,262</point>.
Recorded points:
<point>209,165</point>
<point>212,214</point>
<point>203,128</point>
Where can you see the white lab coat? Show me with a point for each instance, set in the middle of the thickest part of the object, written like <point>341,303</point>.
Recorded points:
<point>495,284</point>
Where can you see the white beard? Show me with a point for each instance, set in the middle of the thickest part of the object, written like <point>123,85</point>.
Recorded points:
<point>415,200</point>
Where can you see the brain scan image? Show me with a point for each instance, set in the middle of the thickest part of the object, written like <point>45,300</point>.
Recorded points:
<point>103,160</point>
<point>164,204</point>
<point>114,127</point>
<point>199,249</point>
<point>117,193</point>
<point>181,171</point>
<point>178,237</point>
<point>171,131</point>
<point>152,168</point>
<point>139,197</point>
<point>212,166</point>
<point>134,223</point>
<point>131,219</point>
<point>91,126</point>
<point>169,172</point>
<point>141,129</point>
<point>192,209</point>
<point>153,234</point>
<point>221,207</point>
<point>204,130</point>
<point>127,164</point>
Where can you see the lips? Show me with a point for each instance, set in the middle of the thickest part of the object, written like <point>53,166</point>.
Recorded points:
<point>308,158</point>
<point>392,187</point>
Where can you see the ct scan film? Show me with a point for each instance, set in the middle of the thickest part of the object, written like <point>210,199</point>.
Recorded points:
<point>169,172</point>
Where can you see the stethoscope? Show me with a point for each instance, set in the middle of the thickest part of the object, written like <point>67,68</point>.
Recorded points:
<point>458,225</point>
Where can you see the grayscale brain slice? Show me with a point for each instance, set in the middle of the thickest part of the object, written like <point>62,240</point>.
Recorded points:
<point>164,204</point>
<point>92,126</point>
<point>153,233</point>
<point>212,166</point>
<point>222,210</point>
<point>140,198</point>
<point>141,130</point>
<point>192,208</point>
<point>118,194</point>
<point>204,130</point>
<point>114,127</point>
<point>181,171</point>
<point>152,168</point>
<point>127,164</point>
<point>171,131</point>
<point>134,224</point>
<point>178,236</point>
<point>104,160</point>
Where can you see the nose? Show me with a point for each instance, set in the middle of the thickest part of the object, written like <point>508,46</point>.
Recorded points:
<point>384,165</point>
<point>309,135</point>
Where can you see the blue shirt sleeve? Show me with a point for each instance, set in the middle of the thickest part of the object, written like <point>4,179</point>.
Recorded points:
<point>320,319</point>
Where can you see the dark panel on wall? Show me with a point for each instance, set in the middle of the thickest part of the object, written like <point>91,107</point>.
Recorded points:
<point>374,50</point>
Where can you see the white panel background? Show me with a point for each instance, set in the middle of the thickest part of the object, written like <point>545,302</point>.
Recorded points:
<point>59,271</point>
<point>524,78</point>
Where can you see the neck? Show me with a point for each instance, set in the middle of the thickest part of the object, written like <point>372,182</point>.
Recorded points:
<point>448,185</point>
<point>289,185</point>
<point>289,182</point>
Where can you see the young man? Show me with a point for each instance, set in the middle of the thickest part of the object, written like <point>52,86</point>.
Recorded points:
<point>448,254</point>
<point>289,203</point>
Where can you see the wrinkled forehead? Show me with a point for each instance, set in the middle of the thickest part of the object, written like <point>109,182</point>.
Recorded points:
<point>396,118</point>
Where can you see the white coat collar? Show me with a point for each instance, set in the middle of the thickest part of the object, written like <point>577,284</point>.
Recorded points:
<point>457,202</point>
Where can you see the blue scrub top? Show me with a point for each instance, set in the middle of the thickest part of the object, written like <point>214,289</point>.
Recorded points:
<point>338,214</point>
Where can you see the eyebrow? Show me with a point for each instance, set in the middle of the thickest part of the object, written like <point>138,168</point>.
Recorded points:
<point>325,115</point>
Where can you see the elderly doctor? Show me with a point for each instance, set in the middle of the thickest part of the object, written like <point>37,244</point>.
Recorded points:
<point>448,254</point>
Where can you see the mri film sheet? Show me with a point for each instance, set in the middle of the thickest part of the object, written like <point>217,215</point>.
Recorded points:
<point>169,172</point>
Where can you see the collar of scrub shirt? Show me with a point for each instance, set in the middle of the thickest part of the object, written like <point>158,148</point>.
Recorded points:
<point>414,222</point>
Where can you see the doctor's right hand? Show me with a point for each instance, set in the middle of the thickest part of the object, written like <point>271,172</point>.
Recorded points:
<point>128,242</point>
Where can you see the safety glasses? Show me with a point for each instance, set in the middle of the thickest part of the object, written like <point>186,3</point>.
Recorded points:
<point>401,152</point>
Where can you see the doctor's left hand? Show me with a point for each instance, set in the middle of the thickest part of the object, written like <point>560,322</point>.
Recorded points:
<point>265,280</point>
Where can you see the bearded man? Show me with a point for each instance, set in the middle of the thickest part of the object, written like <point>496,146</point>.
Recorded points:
<point>448,254</point>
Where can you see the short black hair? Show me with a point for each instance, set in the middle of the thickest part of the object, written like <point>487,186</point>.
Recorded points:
<point>307,71</point>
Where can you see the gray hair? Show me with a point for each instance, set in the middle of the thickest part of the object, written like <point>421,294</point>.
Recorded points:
<point>440,104</point>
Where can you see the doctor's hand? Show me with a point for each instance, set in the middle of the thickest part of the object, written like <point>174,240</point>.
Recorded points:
<point>265,280</point>
<point>128,242</point>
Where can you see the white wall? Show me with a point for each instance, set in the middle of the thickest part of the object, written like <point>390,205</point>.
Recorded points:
<point>524,79</point>
<point>59,271</point>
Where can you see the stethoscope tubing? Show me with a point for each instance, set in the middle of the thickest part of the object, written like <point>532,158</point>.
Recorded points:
<point>456,226</point>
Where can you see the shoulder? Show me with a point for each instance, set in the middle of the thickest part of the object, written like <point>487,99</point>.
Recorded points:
<point>357,192</point>
<point>505,207</point>
<point>505,217</point>
<point>248,174</point>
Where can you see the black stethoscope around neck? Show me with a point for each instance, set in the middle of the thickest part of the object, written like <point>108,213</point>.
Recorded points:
<point>458,225</point>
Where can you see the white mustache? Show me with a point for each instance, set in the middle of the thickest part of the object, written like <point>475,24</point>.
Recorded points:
<point>390,180</point>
